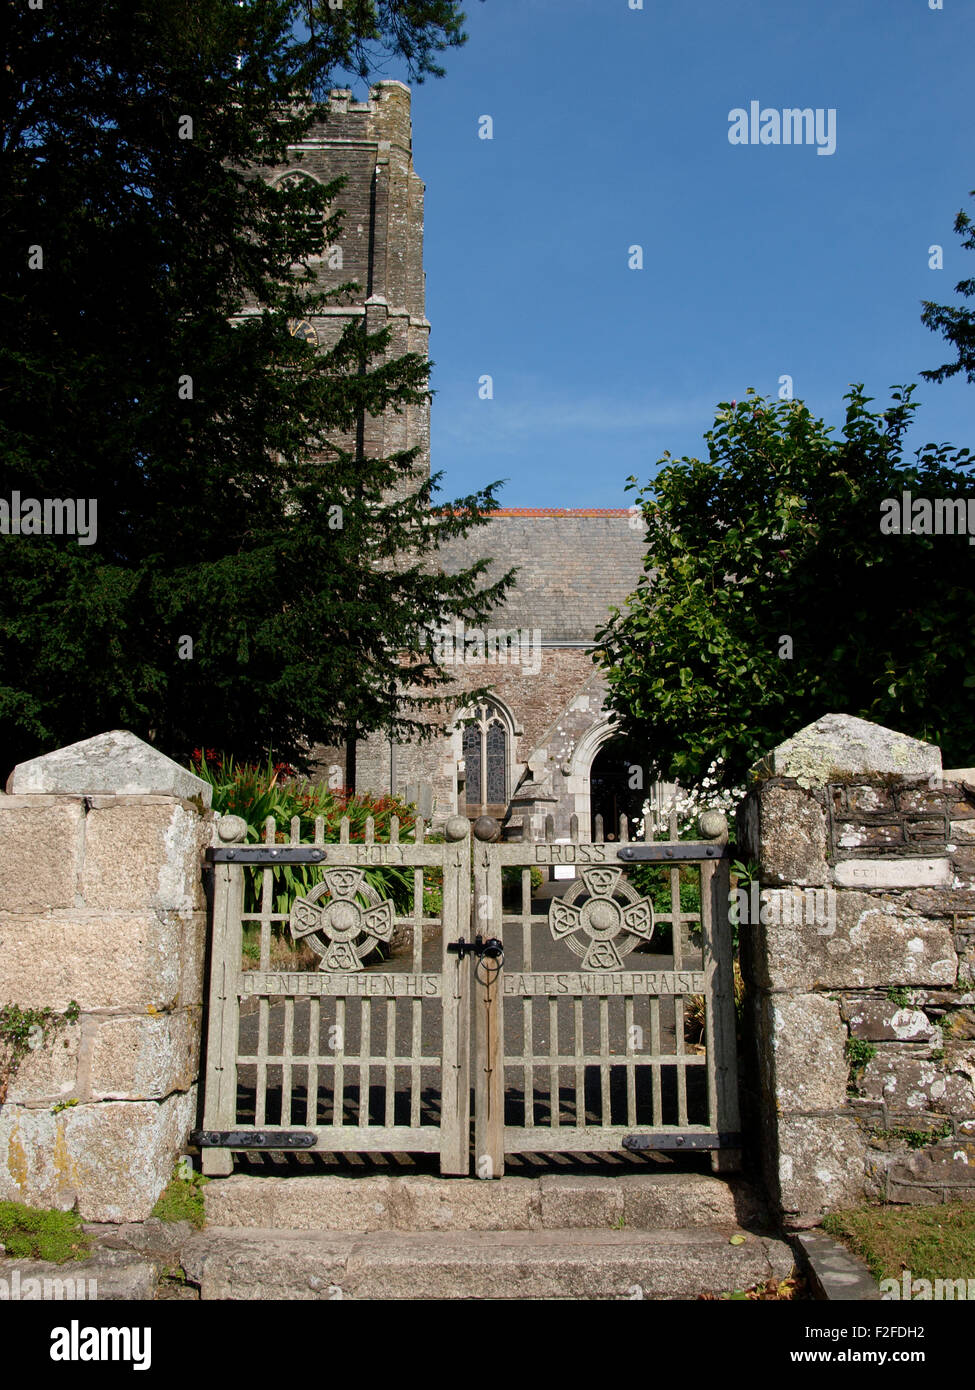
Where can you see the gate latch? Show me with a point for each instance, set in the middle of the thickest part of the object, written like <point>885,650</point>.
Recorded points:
<point>492,948</point>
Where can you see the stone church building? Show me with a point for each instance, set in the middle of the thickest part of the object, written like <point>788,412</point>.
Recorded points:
<point>544,743</point>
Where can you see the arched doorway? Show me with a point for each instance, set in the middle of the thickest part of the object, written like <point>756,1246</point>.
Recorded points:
<point>617,786</point>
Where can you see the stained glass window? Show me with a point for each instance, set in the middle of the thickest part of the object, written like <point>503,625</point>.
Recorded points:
<point>472,762</point>
<point>496,778</point>
<point>485,745</point>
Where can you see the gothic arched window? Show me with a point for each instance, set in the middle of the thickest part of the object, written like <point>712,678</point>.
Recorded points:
<point>487,761</point>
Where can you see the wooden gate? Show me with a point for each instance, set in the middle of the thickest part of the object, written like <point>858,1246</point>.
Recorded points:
<point>610,1022</point>
<point>358,1049</point>
<point>601,1017</point>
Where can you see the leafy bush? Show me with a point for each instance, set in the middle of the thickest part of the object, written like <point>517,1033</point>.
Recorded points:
<point>511,879</point>
<point>255,794</point>
<point>799,514</point>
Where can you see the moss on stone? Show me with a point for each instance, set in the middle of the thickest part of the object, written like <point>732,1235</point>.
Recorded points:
<point>182,1200</point>
<point>32,1233</point>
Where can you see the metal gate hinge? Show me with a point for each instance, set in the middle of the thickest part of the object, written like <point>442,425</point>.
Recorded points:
<point>636,1143</point>
<point>662,853</point>
<point>266,854</point>
<point>252,1139</point>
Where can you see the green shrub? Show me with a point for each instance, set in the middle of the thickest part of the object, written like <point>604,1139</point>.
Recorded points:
<point>511,879</point>
<point>255,794</point>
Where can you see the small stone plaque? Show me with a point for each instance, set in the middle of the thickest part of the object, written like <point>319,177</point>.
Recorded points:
<point>893,873</point>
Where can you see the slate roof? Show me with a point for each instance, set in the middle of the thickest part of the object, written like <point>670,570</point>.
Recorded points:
<point>573,566</point>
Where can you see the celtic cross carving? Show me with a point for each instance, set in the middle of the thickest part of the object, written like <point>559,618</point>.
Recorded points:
<point>611,929</point>
<point>341,930</point>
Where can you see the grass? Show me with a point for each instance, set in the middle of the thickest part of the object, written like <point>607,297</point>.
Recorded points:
<point>932,1242</point>
<point>29,1233</point>
<point>183,1200</point>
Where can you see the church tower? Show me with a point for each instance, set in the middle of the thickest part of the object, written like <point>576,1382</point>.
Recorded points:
<point>380,246</point>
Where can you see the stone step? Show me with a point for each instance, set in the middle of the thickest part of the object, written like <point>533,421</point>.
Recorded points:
<point>108,1275</point>
<point>230,1263</point>
<point>673,1201</point>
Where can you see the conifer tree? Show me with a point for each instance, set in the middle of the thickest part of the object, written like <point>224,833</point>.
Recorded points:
<point>956,323</point>
<point>251,585</point>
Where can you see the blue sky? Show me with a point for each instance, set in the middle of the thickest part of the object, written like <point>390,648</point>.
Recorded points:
<point>611,129</point>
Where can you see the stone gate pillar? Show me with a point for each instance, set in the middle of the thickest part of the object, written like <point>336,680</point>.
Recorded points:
<point>101,902</point>
<point>858,949</point>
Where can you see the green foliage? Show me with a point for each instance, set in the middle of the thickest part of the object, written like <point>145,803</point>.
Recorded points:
<point>183,1200</point>
<point>261,793</point>
<point>511,879</point>
<point>858,1054</point>
<point>22,1030</point>
<point>167,257</point>
<point>922,1138</point>
<point>777,533</point>
<point>900,996</point>
<point>28,1233</point>
<point>956,325</point>
<point>653,882</point>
